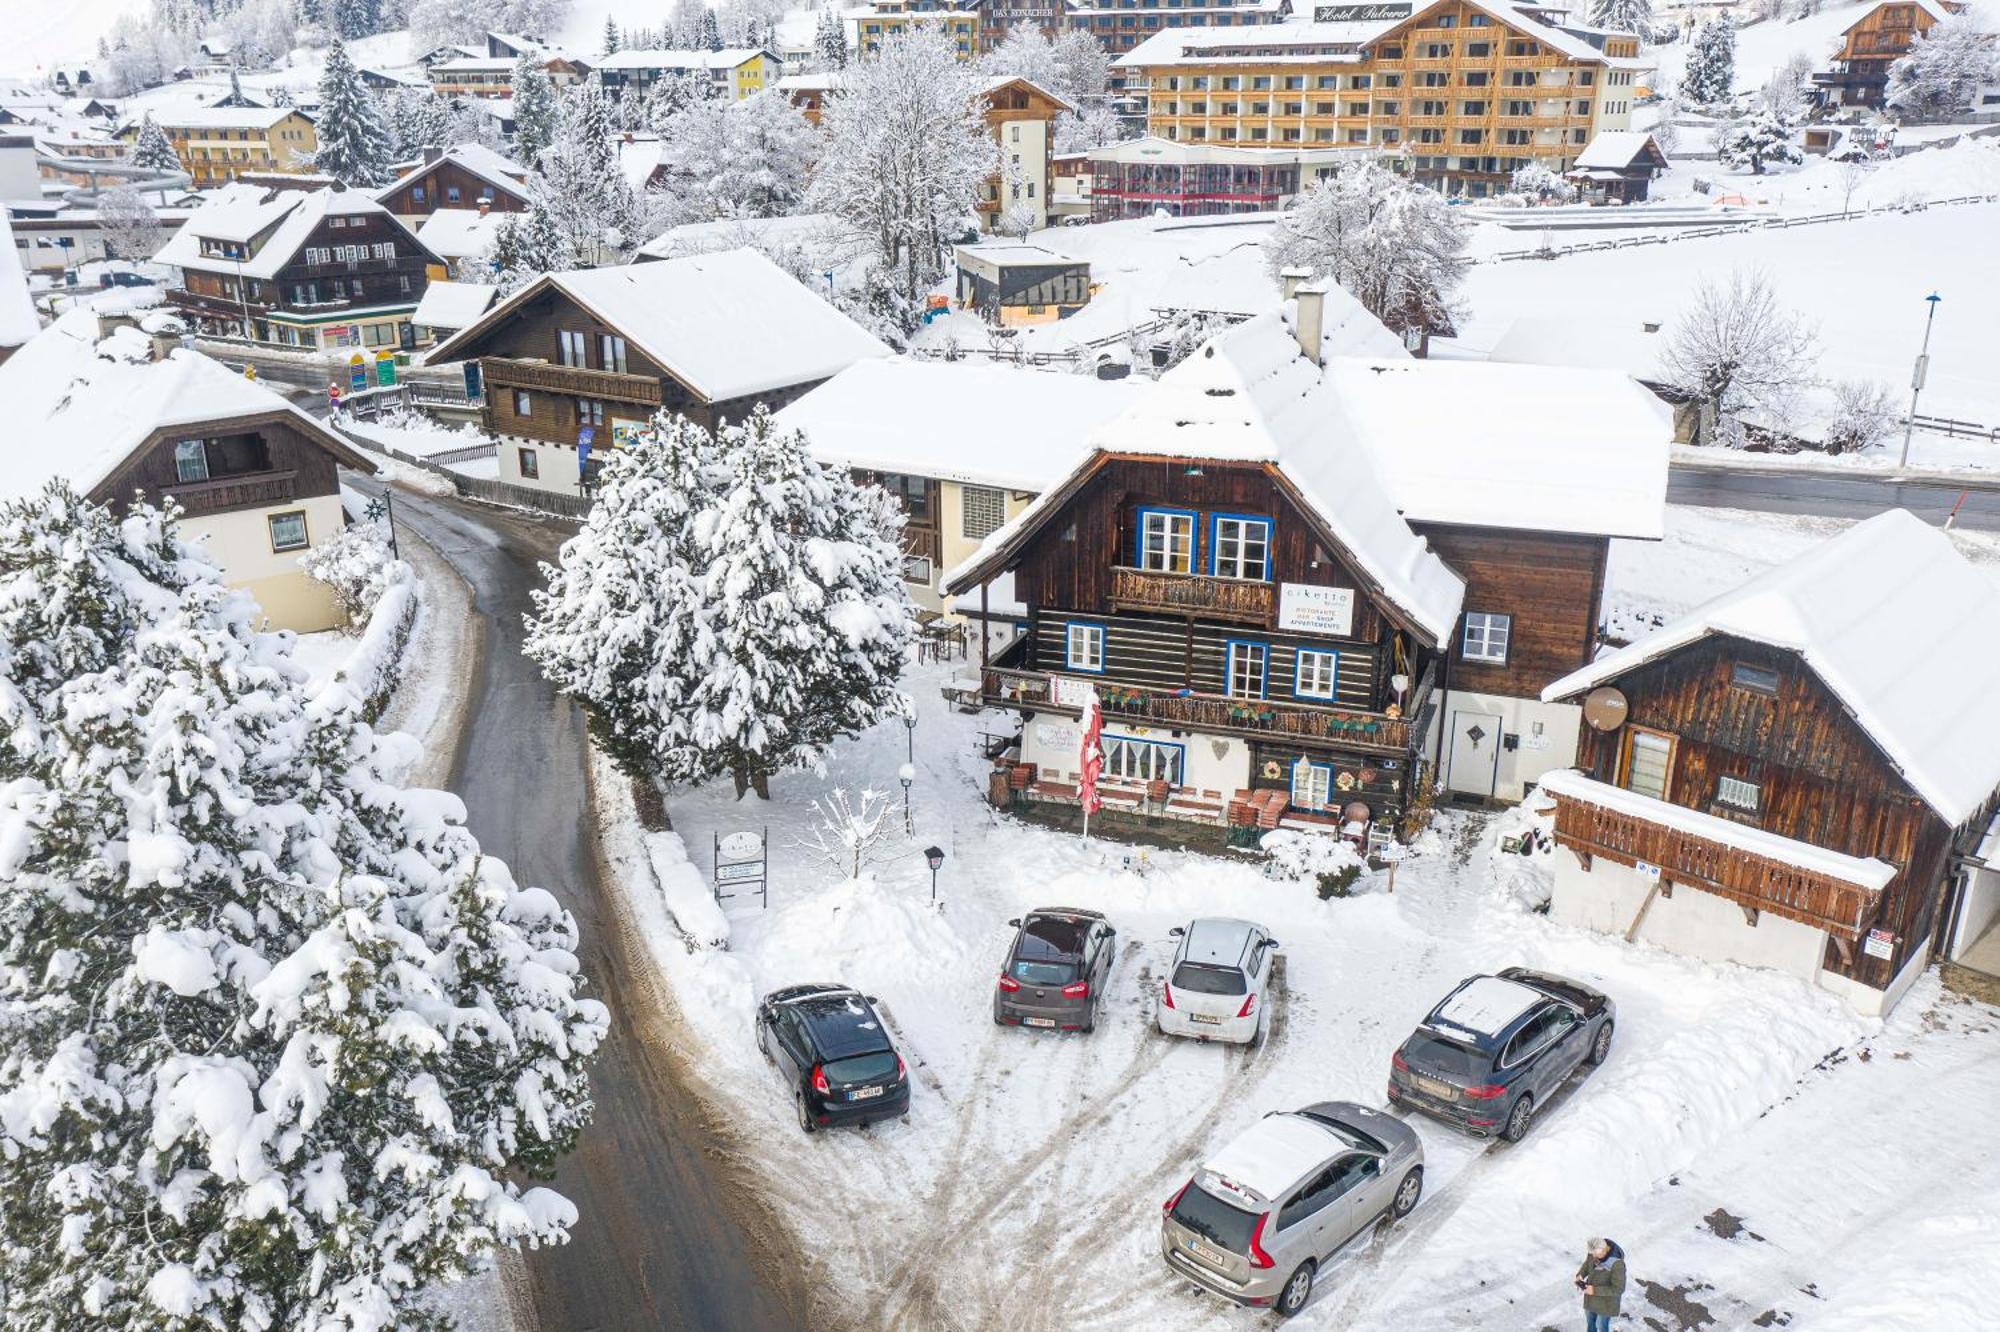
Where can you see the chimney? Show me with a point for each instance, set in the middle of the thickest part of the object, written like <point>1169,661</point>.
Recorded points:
<point>1290,279</point>
<point>107,324</point>
<point>1309,319</point>
<point>432,153</point>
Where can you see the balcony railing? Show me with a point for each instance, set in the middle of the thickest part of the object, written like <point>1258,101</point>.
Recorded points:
<point>1190,593</point>
<point>254,490</point>
<point>1207,712</point>
<point>508,372</point>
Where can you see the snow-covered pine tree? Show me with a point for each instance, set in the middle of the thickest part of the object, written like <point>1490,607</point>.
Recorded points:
<point>1937,78</point>
<point>830,40</point>
<point>354,143</point>
<point>580,185</point>
<point>350,19</point>
<point>527,245</point>
<point>1633,16</point>
<point>276,1039</point>
<point>1756,141</point>
<point>1396,247</point>
<point>730,606</point>
<point>905,153</point>
<point>1710,74</point>
<point>708,34</point>
<point>235,97</point>
<point>536,111</point>
<point>722,158</point>
<point>152,149</point>
<point>610,35</point>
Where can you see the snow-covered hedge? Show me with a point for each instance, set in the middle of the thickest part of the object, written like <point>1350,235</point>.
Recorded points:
<point>1331,863</point>
<point>368,676</point>
<point>688,895</point>
<point>354,562</point>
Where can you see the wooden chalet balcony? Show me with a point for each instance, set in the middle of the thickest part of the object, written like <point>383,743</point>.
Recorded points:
<point>253,490</point>
<point>1211,712</point>
<point>511,372</point>
<point>1193,594</point>
<point>1754,882</point>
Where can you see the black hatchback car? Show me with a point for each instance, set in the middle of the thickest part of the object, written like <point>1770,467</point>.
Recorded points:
<point>1054,974</point>
<point>1500,1046</point>
<point>831,1046</point>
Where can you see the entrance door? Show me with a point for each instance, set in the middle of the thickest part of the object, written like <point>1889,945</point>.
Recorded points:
<point>1473,764</point>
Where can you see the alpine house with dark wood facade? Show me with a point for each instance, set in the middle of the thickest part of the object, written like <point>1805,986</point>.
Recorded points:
<point>587,357</point>
<point>1797,774</point>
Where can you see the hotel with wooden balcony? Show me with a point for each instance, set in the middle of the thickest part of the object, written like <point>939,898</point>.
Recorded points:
<point>1460,93</point>
<point>575,363</point>
<point>1800,774</point>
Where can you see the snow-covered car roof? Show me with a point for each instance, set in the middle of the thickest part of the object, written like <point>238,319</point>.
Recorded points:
<point>1218,941</point>
<point>1270,1156</point>
<point>1486,1006</point>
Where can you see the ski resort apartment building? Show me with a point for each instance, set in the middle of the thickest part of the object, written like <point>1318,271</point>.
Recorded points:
<point>117,410</point>
<point>1290,601</point>
<point>469,176</point>
<point>957,19</point>
<point>327,269</point>
<point>216,144</point>
<point>734,72</point>
<point>1120,25</point>
<point>1859,72</point>
<point>1800,774</point>
<point>1462,92</point>
<point>576,363</point>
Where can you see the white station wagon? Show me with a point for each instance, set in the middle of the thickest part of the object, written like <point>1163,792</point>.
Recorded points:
<point>1216,988</point>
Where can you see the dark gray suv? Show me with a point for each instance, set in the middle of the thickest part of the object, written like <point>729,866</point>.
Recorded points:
<point>1499,1047</point>
<point>1054,974</point>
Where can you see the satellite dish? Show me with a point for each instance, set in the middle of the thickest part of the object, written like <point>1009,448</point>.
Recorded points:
<point>1605,708</point>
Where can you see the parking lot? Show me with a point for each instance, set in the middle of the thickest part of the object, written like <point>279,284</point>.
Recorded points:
<point>1024,1189</point>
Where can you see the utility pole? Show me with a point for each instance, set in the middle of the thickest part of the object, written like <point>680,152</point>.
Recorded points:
<point>1917,377</point>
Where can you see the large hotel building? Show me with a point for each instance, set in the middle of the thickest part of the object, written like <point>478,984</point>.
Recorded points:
<point>1464,92</point>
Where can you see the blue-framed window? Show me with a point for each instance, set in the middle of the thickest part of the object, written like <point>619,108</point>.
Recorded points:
<point>1083,647</point>
<point>1165,540</point>
<point>1239,546</point>
<point>1243,668</point>
<point>1316,674</point>
<point>1130,759</point>
<point>1312,784</point>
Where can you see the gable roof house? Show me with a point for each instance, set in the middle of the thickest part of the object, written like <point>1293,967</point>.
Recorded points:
<point>1296,576</point>
<point>1795,774</point>
<point>113,408</point>
<point>325,270</point>
<point>601,350</point>
<point>469,176</point>
<point>1618,164</point>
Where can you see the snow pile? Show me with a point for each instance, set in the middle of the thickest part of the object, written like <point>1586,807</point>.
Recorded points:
<point>415,437</point>
<point>687,893</point>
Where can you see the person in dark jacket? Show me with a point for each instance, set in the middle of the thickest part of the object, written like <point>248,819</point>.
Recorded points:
<point>1601,1278</point>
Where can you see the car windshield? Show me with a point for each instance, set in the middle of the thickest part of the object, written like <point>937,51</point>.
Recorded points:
<point>1213,1219</point>
<point>1043,973</point>
<point>1436,1055</point>
<point>1200,978</point>
<point>862,1068</point>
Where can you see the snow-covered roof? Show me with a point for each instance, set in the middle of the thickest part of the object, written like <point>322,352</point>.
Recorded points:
<point>242,212</point>
<point>1272,1154</point>
<point>1614,150</point>
<point>999,81</point>
<point>1565,340</point>
<point>459,233</point>
<point>1540,448</point>
<point>476,159</point>
<point>1317,41</point>
<point>730,233</point>
<point>1897,624</point>
<point>1003,254</point>
<point>662,58</point>
<point>77,407</point>
<point>726,325</point>
<point>18,322</point>
<point>1869,873</point>
<point>453,305</point>
<point>1485,1006</point>
<point>991,425</point>
<point>222,117</point>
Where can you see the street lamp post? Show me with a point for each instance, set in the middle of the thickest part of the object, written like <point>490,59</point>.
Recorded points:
<point>908,773</point>
<point>1917,377</point>
<point>935,855</point>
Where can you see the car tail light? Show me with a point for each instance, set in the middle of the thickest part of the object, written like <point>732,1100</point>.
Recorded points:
<point>1249,1003</point>
<point>1167,994</point>
<point>1173,1202</point>
<point>900,1073</point>
<point>1258,1258</point>
<point>1400,1064</point>
<point>1487,1093</point>
<point>1077,990</point>
<point>819,1080</point>
<point>1008,984</point>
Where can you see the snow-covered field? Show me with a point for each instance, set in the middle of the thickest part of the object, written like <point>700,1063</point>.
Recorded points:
<point>1022,1191</point>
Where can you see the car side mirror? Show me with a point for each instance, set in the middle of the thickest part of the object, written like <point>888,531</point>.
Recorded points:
<point>1177,931</point>
<point>871,998</point>
<point>1016,922</point>
<point>1110,932</point>
<point>1272,943</point>
<point>1372,1166</point>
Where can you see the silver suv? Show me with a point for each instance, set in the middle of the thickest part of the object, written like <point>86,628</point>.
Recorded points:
<point>1262,1214</point>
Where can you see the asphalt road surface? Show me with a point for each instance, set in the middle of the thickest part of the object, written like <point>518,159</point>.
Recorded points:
<point>1858,496</point>
<point>669,1234</point>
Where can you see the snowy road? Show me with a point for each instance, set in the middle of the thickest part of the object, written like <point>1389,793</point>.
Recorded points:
<point>1861,495</point>
<point>667,1237</point>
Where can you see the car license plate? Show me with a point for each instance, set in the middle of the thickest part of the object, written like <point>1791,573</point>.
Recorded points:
<point>1208,1253</point>
<point>1039,1022</point>
<point>864,1093</point>
<point>1444,1091</point>
<point>1204,1020</point>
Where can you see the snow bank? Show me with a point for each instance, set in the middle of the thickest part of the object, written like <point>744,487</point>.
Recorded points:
<point>688,895</point>
<point>366,679</point>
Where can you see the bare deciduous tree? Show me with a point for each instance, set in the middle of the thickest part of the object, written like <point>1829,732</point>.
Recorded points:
<point>1735,349</point>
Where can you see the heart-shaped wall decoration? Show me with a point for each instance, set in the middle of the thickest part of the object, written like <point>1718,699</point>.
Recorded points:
<point>1221,748</point>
